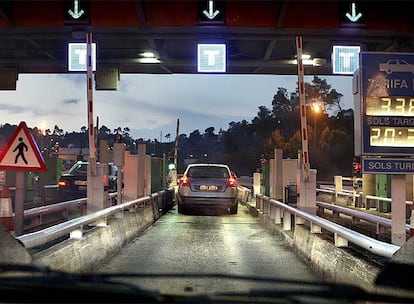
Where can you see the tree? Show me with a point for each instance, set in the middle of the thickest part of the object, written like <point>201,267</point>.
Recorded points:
<point>209,131</point>
<point>168,136</point>
<point>57,131</point>
<point>282,102</point>
<point>276,141</point>
<point>319,90</point>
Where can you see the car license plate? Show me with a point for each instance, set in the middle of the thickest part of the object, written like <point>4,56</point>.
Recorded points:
<point>208,188</point>
<point>81,182</point>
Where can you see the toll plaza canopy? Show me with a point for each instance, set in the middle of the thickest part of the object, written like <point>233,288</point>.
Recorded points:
<point>259,35</point>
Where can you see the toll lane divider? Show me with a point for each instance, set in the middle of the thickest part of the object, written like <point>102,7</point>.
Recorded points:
<point>281,213</point>
<point>359,215</point>
<point>74,227</point>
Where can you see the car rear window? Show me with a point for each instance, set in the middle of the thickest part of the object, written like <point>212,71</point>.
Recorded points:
<point>208,172</point>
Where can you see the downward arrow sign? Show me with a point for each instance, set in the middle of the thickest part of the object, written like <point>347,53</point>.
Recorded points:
<point>76,14</point>
<point>211,14</point>
<point>353,16</point>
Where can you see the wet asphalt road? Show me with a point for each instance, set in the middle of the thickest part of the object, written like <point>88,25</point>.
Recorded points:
<point>208,241</point>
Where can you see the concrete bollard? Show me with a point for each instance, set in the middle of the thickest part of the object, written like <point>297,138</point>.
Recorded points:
<point>6,209</point>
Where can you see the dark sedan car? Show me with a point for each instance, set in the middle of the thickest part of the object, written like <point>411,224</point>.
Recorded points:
<point>72,185</point>
<point>210,185</point>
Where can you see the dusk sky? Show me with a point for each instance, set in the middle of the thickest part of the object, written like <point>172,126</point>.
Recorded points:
<point>149,104</point>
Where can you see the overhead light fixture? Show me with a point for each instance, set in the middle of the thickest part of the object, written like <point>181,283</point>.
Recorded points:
<point>304,56</point>
<point>148,57</point>
<point>149,60</point>
<point>313,62</point>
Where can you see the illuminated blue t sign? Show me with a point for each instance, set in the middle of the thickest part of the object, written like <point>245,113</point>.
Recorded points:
<point>211,58</point>
<point>345,59</point>
<point>77,57</point>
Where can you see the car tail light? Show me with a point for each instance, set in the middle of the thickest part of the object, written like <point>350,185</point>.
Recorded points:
<point>184,181</point>
<point>63,184</point>
<point>231,182</point>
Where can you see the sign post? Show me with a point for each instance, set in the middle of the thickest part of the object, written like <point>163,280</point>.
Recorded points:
<point>22,155</point>
<point>386,123</point>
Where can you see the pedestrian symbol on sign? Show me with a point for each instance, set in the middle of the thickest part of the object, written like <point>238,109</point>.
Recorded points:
<point>22,152</point>
<point>21,147</point>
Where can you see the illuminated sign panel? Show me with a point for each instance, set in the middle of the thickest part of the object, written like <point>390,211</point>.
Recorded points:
<point>387,104</point>
<point>388,166</point>
<point>211,58</point>
<point>77,57</point>
<point>345,59</point>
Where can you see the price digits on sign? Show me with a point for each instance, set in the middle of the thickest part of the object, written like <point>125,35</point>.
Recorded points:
<point>391,136</point>
<point>390,106</point>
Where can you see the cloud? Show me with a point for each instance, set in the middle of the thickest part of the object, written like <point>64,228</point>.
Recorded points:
<point>12,108</point>
<point>71,100</point>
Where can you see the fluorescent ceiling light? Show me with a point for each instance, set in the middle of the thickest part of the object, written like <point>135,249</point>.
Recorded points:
<point>313,62</point>
<point>148,55</point>
<point>304,56</point>
<point>148,60</point>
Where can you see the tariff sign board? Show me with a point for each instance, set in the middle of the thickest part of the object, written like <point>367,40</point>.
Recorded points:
<point>387,87</point>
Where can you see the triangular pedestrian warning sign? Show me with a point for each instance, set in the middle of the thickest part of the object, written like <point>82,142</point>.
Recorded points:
<point>22,152</point>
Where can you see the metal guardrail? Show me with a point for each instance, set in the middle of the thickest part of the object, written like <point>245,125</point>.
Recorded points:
<point>350,193</point>
<point>74,227</point>
<point>243,194</point>
<point>37,214</point>
<point>375,219</point>
<point>280,211</point>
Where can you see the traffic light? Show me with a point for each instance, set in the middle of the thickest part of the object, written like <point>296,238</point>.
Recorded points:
<point>356,168</point>
<point>170,164</point>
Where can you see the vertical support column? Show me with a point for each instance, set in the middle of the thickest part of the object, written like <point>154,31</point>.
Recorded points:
<point>141,170</point>
<point>398,234</point>
<point>338,185</point>
<point>272,177</point>
<point>164,172</point>
<point>368,187</point>
<point>278,185</point>
<point>287,220</point>
<point>177,135</point>
<point>278,217</point>
<point>97,196</point>
<point>119,161</point>
<point>19,203</point>
<point>256,184</point>
<point>307,197</point>
<point>303,121</point>
<point>148,160</point>
<point>91,129</point>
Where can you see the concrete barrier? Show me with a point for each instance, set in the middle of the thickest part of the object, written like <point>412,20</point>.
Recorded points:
<point>12,251</point>
<point>100,243</point>
<point>333,263</point>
